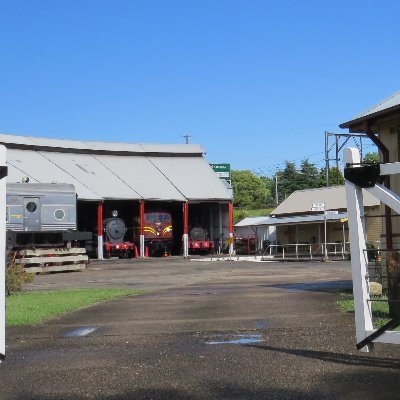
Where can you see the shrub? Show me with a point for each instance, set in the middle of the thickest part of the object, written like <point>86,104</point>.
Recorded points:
<point>15,277</point>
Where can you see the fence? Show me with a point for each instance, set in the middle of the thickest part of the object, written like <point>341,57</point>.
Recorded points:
<point>305,250</point>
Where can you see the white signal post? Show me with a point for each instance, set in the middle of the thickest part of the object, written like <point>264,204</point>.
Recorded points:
<point>3,170</point>
<point>321,207</point>
<point>365,332</point>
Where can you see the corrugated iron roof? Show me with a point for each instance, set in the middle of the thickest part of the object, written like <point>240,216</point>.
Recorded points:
<point>31,164</point>
<point>391,101</point>
<point>88,146</point>
<point>193,177</point>
<point>385,104</point>
<point>334,197</point>
<point>250,221</point>
<point>304,219</point>
<point>142,175</point>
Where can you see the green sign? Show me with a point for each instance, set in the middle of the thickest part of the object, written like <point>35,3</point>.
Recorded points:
<point>222,170</point>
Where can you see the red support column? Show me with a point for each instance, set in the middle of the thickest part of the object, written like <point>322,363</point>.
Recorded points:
<point>142,222</point>
<point>141,211</point>
<point>100,230</point>
<point>186,229</point>
<point>230,213</point>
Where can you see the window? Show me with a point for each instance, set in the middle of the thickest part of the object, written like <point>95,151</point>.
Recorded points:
<point>31,207</point>
<point>59,214</point>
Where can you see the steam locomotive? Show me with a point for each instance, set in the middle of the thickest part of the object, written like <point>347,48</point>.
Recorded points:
<point>114,243</point>
<point>199,241</point>
<point>158,235</point>
<point>44,215</point>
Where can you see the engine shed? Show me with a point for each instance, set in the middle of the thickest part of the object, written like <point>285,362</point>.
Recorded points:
<point>147,186</point>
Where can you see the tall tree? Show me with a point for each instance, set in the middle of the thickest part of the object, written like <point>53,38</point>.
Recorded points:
<point>335,177</point>
<point>371,158</point>
<point>249,191</point>
<point>270,185</point>
<point>308,176</point>
<point>287,180</point>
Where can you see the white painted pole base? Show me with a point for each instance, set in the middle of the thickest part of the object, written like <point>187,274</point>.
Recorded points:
<point>2,257</point>
<point>141,246</point>
<point>185,245</point>
<point>100,248</point>
<point>231,245</point>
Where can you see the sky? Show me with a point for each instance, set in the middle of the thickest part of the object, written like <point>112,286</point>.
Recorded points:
<point>254,82</point>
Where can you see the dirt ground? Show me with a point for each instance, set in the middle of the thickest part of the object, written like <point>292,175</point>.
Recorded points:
<point>202,330</point>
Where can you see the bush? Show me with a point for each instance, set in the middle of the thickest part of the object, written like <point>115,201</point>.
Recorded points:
<point>372,251</point>
<point>15,277</point>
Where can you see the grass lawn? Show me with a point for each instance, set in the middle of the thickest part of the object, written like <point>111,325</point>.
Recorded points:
<point>380,309</point>
<point>30,308</point>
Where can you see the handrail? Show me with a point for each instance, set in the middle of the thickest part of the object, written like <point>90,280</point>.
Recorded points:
<point>307,249</point>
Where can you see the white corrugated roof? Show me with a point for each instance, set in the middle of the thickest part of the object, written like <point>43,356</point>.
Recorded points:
<point>142,176</point>
<point>304,219</point>
<point>93,174</point>
<point>334,198</point>
<point>22,163</point>
<point>193,177</point>
<point>250,221</point>
<point>101,170</point>
<point>301,219</point>
<point>140,148</point>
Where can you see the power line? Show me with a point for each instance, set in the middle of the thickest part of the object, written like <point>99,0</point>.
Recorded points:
<point>272,168</point>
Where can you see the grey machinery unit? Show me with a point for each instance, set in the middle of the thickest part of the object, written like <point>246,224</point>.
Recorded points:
<point>41,214</point>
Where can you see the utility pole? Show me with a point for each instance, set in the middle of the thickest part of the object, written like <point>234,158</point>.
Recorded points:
<point>326,159</point>
<point>186,138</point>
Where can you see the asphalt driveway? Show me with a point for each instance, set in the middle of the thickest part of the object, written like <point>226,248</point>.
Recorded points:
<point>215,330</point>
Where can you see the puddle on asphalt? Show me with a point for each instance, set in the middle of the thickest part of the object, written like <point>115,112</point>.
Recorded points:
<point>240,339</point>
<point>82,331</point>
<point>261,325</point>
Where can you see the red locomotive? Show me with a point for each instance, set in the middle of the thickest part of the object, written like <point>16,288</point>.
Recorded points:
<point>158,233</point>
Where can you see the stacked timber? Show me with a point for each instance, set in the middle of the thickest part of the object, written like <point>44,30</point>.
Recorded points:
<point>52,259</point>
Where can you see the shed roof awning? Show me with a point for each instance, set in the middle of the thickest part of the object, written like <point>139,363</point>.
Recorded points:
<point>31,164</point>
<point>334,198</point>
<point>252,221</point>
<point>37,143</point>
<point>140,174</point>
<point>304,219</point>
<point>389,105</point>
<point>193,177</point>
<point>134,172</point>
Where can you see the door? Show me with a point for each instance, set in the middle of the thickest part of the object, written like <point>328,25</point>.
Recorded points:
<point>31,214</point>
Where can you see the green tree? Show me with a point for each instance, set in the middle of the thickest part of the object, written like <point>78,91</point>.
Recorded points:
<point>270,185</point>
<point>288,181</point>
<point>335,177</point>
<point>249,191</point>
<point>371,158</point>
<point>308,176</point>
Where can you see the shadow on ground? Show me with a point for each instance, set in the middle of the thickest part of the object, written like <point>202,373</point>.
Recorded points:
<point>328,286</point>
<point>337,358</point>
